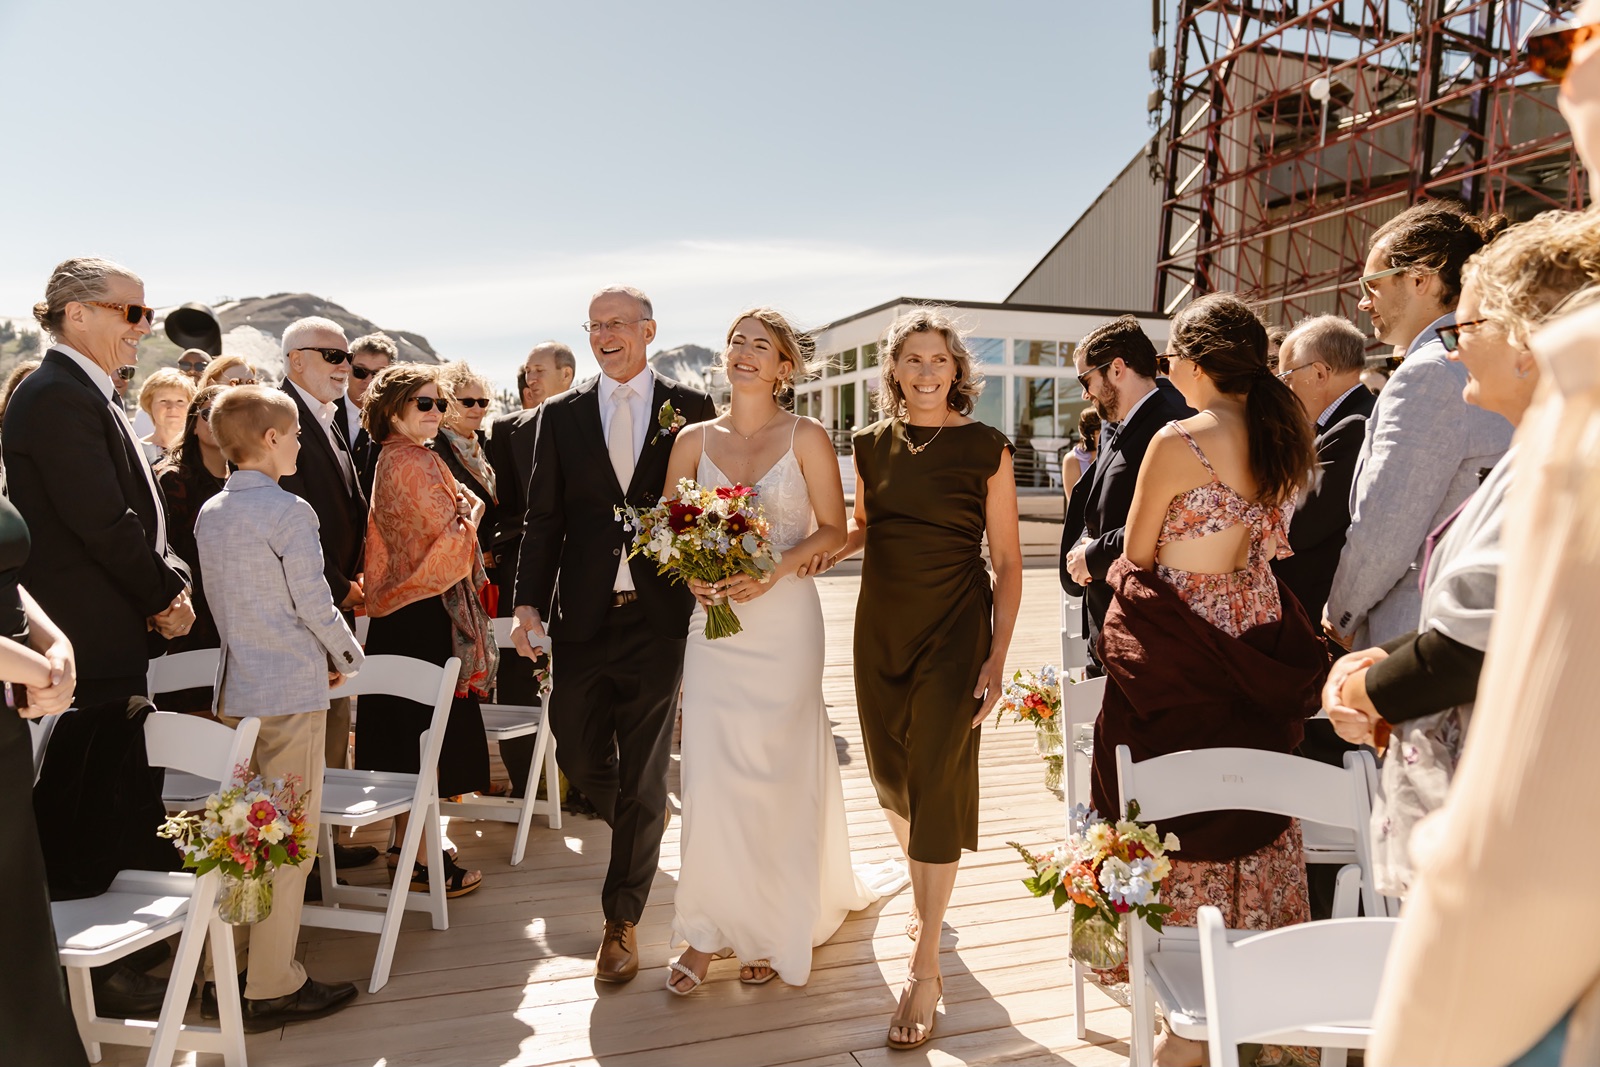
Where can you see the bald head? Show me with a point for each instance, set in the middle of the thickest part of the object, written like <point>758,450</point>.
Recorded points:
<point>548,370</point>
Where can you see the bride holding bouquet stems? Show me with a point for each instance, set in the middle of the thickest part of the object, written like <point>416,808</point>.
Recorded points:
<point>765,872</point>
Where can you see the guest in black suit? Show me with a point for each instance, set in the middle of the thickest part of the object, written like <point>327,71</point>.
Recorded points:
<point>101,566</point>
<point>548,370</point>
<point>1117,370</point>
<point>619,628</point>
<point>368,355</point>
<point>318,358</point>
<point>1322,360</point>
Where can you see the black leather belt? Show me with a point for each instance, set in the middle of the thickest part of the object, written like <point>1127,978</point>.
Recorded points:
<point>620,597</point>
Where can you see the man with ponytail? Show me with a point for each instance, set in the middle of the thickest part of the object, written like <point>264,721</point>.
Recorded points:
<point>1425,448</point>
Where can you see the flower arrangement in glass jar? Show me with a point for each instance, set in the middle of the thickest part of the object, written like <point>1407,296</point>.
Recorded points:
<point>1035,696</point>
<point>1107,870</point>
<point>707,534</point>
<point>246,832</point>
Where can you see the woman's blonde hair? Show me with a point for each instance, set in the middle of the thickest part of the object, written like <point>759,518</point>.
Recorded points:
<point>454,377</point>
<point>216,372</point>
<point>796,347</point>
<point>165,378</point>
<point>891,399</point>
<point>81,279</point>
<point>1532,269</point>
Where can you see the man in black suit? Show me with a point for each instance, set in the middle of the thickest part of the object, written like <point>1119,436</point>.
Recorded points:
<point>1322,360</point>
<point>619,627</point>
<point>318,360</point>
<point>368,356</point>
<point>548,370</point>
<point>1117,369</point>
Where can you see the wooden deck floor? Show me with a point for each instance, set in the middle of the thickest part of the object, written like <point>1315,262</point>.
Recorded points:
<point>511,981</point>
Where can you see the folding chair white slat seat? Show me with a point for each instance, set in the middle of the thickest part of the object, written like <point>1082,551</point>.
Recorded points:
<point>1080,705</point>
<point>1313,984</point>
<point>359,798</point>
<point>502,722</point>
<point>143,907</point>
<point>1164,967</point>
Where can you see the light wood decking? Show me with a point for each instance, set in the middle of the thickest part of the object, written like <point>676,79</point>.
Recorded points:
<point>511,981</point>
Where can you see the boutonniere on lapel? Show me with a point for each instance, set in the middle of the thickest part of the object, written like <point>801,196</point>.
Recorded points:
<point>669,421</point>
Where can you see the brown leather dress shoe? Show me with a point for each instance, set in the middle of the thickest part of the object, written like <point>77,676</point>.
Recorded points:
<point>618,959</point>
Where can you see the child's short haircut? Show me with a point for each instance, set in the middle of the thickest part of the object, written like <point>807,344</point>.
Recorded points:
<point>242,415</point>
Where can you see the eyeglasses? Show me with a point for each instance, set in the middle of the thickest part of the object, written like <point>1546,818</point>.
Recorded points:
<point>1284,375</point>
<point>612,326</point>
<point>1083,379</point>
<point>1368,279</point>
<point>130,312</point>
<point>428,403</point>
<point>468,402</point>
<point>193,366</point>
<point>1450,336</point>
<point>334,356</point>
<point>127,371</point>
<point>361,374</point>
<point>205,415</point>
<point>1550,50</point>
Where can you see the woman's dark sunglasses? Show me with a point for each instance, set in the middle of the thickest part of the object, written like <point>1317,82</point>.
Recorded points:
<point>1450,336</point>
<point>428,403</point>
<point>1550,50</point>
<point>334,356</point>
<point>1163,364</point>
<point>131,313</point>
<point>468,402</point>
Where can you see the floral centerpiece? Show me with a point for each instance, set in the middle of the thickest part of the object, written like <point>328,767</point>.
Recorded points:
<point>1107,870</point>
<point>247,832</point>
<point>707,534</point>
<point>1035,696</point>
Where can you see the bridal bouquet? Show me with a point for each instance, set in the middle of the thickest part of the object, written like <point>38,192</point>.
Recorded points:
<point>1107,870</point>
<point>247,831</point>
<point>708,535</point>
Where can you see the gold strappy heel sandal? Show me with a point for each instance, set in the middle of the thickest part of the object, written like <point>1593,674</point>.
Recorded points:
<point>905,1022</point>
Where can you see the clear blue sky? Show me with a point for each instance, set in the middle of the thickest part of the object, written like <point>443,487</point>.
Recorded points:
<point>473,170</point>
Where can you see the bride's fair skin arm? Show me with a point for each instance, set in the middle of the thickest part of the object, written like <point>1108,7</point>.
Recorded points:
<point>1005,556</point>
<point>685,457</point>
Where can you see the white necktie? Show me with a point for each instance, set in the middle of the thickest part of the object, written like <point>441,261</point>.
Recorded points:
<point>620,444</point>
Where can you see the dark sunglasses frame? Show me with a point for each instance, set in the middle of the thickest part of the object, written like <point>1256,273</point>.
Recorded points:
<point>334,356</point>
<point>1083,379</point>
<point>428,403</point>
<point>1549,51</point>
<point>127,371</point>
<point>190,366</point>
<point>1450,336</point>
<point>361,374</point>
<point>478,402</point>
<point>131,313</point>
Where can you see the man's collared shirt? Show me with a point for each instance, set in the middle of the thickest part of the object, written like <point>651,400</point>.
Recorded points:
<point>324,414</point>
<point>1322,420</point>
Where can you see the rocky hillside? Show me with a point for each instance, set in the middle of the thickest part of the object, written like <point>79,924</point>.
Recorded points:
<point>691,366</point>
<point>272,314</point>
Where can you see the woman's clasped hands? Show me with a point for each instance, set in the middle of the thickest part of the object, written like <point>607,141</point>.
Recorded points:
<point>1344,696</point>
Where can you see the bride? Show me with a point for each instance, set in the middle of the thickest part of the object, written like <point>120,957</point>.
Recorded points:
<point>765,872</point>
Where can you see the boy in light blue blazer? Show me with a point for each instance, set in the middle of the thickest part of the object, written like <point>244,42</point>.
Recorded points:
<point>283,644</point>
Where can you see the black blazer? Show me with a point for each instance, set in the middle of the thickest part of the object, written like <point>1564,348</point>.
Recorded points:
<point>1101,499</point>
<point>75,477</point>
<point>572,538</point>
<point>341,515</point>
<point>510,449</point>
<point>1317,532</point>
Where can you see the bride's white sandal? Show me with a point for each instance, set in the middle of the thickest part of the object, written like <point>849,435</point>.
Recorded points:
<point>752,967</point>
<point>676,968</point>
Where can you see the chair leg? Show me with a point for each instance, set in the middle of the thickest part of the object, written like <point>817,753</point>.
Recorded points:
<point>1144,1016</point>
<point>191,943</point>
<point>327,872</point>
<point>230,1013</point>
<point>418,826</point>
<point>1333,1057</point>
<point>81,991</point>
<point>438,903</point>
<point>552,777</point>
<point>1077,997</point>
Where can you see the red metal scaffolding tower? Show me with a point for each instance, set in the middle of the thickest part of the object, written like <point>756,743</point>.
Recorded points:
<point>1293,128</point>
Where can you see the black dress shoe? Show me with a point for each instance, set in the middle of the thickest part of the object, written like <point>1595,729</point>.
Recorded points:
<point>148,957</point>
<point>120,992</point>
<point>353,855</point>
<point>313,893</point>
<point>208,999</point>
<point>311,1001</point>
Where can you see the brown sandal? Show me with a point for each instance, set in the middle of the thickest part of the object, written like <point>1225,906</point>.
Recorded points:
<point>455,883</point>
<point>905,1022</point>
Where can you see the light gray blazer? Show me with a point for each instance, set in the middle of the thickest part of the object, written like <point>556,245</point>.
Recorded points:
<point>1424,453</point>
<point>280,630</point>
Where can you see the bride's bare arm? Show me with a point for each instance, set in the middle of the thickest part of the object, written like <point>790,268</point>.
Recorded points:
<point>820,465</point>
<point>685,459</point>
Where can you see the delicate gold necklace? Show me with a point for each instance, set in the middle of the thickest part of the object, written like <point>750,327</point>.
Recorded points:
<point>758,429</point>
<point>917,450</point>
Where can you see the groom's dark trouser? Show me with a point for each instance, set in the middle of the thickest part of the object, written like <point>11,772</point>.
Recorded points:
<point>612,708</point>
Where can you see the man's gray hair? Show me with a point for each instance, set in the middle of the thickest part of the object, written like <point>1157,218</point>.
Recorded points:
<point>563,356</point>
<point>1334,340</point>
<point>627,290</point>
<point>294,336</point>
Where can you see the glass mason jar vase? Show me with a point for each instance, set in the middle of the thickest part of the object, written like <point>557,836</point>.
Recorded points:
<point>1049,743</point>
<point>1098,943</point>
<point>242,901</point>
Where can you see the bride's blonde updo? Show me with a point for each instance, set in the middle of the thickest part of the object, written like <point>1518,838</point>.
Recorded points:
<point>796,348</point>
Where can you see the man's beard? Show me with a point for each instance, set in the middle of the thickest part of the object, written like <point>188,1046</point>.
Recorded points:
<point>1109,408</point>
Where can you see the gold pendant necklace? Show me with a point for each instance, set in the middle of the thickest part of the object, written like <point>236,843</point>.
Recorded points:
<point>917,450</point>
<point>758,429</point>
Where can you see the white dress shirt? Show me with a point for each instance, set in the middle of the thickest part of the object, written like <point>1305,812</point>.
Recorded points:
<point>324,414</point>
<point>99,377</point>
<point>645,425</point>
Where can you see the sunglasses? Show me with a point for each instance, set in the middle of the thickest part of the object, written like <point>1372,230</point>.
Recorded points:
<point>132,313</point>
<point>1083,379</point>
<point>360,374</point>
<point>1450,336</point>
<point>127,371</point>
<point>1550,50</point>
<point>334,356</point>
<point>193,367</point>
<point>205,415</point>
<point>481,402</point>
<point>242,381</point>
<point>1385,365</point>
<point>428,403</point>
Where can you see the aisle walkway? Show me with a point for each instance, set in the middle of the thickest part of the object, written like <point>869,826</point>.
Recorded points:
<point>511,981</point>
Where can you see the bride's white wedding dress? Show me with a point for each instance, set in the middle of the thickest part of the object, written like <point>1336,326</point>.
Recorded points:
<point>765,869</point>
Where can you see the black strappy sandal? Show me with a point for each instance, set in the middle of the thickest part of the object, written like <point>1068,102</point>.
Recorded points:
<point>455,884</point>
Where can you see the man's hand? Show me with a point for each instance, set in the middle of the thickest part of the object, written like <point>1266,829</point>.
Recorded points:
<point>176,620</point>
<point>1333,635</point>
<point>528,622</point>
<point>1077,564</point>
<point>355,598</point>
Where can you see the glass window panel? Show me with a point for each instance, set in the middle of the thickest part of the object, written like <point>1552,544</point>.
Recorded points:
<point>1035,406</point>
<point>847,361</point>
<point>991,405</point>
<point>990,350</point>
<point>1036,353</point>
<point>847,406</point>
<point>869,355</point>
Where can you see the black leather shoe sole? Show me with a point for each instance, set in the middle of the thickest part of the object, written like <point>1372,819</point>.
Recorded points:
<point>208,1000</point>
<point>121,992</point>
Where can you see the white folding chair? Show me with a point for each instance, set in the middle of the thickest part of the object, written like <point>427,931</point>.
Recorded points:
<point>1080,705</point>
<point>502,722</point>
<point>1074,645</point>
<point>1313,984</point>
<point>1164,967</point>
<point>143,907</point>
<point>358,798</point>
<point>1364,773</point>
<point>170,674</point>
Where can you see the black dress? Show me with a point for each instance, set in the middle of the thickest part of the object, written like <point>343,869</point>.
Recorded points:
<point>35,1020</point>
<point>186,492</point>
